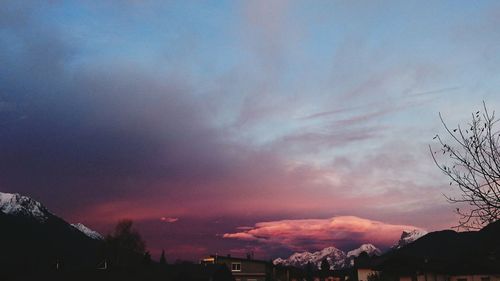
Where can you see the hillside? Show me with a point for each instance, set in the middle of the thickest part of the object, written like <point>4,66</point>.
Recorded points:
<point>36,238</point>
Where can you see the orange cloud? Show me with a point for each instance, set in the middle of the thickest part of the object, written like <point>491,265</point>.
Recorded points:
<point>308,234</point>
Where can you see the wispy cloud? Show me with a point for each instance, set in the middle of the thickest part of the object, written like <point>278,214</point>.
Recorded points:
<point>434,92</point>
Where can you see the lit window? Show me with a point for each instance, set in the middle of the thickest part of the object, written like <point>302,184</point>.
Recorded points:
<point>235,266</point>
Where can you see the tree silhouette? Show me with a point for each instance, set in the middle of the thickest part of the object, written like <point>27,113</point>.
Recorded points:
<point>309,271</point>
<point>163,261</point>
<point>325,265</point>
<point>125,245</point>
<point>472,164</point>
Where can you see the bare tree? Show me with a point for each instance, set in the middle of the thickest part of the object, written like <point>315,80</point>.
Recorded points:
<point>472,163</point>
<point>125,246</point>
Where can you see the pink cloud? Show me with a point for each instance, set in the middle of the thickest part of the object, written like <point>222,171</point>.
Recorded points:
<point>169,219</point>
<point>308,234</point>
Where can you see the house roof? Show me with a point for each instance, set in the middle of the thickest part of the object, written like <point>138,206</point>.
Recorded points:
<point>240,259</point>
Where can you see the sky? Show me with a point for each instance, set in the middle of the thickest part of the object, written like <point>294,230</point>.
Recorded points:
<point>231,127</point>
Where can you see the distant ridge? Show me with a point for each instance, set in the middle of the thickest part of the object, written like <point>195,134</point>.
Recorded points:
<point>335,257</point>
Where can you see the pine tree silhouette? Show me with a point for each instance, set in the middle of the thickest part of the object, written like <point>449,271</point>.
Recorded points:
<point>162,258</point>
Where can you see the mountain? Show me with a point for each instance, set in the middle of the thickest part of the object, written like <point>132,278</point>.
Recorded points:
<point>368,248</point>
<point>35,238</point>
<point>337,258</point>
<point>449,251</point>
<point>334,256</point>
<point>409,236</point>
<point>87,231</point>
<point>15,204</point>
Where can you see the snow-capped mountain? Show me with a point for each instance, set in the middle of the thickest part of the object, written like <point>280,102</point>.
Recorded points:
<point>409,236</point>
<point>368,248</point>
<point>16,204</point>
<point>87,231</point>
<point>34,237</point>
<point>337,258</point>
<point>333,255</point>
<point>20,205</point>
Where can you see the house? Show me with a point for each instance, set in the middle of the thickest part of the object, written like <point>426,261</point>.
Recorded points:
<point>365,267</point>
<point>421,276</point>
<point>244,269</point>
<point>198,272</point>
<point>469,268</point>
<point>289,273</point>
<point>363,273</point>
<point>153,272</point>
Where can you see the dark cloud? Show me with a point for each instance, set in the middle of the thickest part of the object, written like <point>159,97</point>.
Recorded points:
<point>103,130</point>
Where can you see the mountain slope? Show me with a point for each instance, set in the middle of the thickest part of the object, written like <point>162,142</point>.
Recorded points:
<point>409,236</point>
<point>87,231</point>
<point>448,250</point>
<point>38,239</point>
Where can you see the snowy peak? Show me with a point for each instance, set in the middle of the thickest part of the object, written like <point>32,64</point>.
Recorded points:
<point>409,236</point>
<point>16,204</point>
<point>87,231</point>
<point>368,248</point>
<point>334,256</point>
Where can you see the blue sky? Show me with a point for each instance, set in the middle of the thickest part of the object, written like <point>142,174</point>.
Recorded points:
<point>231,113</point>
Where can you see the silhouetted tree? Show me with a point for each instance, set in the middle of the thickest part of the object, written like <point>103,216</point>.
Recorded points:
<point>163,261</point>
<point>325,265</point>
<point>146,260</point>
<point>473,166</point>
<point>125,245</point>
<point>309,271</point>
<point>362,259</point>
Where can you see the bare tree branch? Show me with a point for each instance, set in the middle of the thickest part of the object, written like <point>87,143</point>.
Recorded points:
<point>472,164</point>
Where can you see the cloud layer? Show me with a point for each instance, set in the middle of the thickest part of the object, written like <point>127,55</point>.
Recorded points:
<point>343,232</point>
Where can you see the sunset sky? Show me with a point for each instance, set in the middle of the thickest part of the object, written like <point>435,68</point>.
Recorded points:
<point>235,126</point>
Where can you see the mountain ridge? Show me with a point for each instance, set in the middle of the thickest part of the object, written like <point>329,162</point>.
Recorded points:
<point>337,258</point>
<point>16,204</point>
